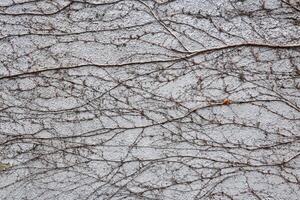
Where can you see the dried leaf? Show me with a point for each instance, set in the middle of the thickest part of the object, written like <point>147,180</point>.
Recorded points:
<point>227,101</point>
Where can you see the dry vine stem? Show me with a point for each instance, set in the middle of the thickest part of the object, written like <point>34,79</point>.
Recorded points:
<point>154,100</point>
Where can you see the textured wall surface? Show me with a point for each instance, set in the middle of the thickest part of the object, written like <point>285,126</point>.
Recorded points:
<point>161,100</point>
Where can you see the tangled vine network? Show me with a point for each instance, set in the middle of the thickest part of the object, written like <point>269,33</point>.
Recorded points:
<point>149,99</point>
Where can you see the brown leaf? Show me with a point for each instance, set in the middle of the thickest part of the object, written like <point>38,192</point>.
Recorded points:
<point>227,101</point>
